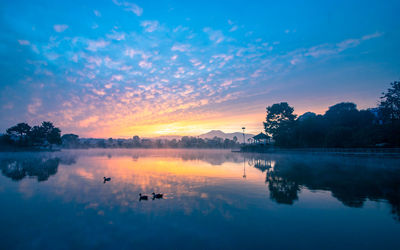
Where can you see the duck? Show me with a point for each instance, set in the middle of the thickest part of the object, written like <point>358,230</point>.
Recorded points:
<point>143,197</point>
<point>157,196</point>
<point>106,179</point>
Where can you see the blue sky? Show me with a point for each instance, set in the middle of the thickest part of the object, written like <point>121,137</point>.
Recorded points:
<point>119,68</point>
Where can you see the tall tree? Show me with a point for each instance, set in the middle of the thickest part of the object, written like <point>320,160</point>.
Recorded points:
<point>280,122</point>
<point>389,107</point>
<point>21,129</point>
<point>51,133</point>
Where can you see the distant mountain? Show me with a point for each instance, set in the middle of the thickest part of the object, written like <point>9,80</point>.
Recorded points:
<point>219,133</point>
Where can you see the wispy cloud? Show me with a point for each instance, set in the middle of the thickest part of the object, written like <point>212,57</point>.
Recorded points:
<point>131,52</point>
<point>24,42</point>
<point>373,35</point>
<point>142,73</point>
<point>235,27</point>
<point>94,45</point>
<point>88,121</point>
<point>331,49</point>
<point>116,36</point>
<point>128,6</point>
<point>149,26</point>
<point>214,35</point>
<point>97,13</point>
<point>60,27</point>
<point>34,106</point>
<point>180,47</point>
<point>145,64</point>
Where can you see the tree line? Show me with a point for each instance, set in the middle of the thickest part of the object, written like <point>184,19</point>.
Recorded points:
<point>73,141</point>
<point>23,135</point>
<point>46,135</point>
<point>342,125</point>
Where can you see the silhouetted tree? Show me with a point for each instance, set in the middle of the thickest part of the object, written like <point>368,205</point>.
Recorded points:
<point>136,141</point>
<point>235,139</point>
<point>52,134</point>
<point>70,140</point>
<point>21,129</point>
<point>389,106</point>
<point>20,132</point>
<point>389,114</point>
<point>43,135</point>
<point>280,122</point>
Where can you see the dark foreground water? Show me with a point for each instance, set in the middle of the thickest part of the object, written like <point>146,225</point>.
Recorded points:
<point>212,200</point>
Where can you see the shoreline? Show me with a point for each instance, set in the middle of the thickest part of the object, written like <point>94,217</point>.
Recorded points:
<point>357,152</point>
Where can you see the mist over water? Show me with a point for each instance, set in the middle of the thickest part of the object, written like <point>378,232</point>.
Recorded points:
<point>212,199</point>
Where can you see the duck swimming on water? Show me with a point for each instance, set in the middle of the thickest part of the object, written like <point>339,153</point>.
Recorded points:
<point>106,179</point>
<point>143,197</point>
<point>157,196</point>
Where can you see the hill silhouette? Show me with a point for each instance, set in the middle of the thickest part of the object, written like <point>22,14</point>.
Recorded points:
<point>221,134</point>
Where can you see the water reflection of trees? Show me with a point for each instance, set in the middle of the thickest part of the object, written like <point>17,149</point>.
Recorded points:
<point>350,181</point>
<point>41,167</point>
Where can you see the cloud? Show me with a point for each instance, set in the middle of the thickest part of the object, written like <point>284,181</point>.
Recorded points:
<point>256,73</point>
<point>350,43</point>
<point>98,92</point>
<point>116,36</point>
<point>60,27</point>
<point>223,57</point>
<point>35,49</point>
<point>52,56</point>
<point>235,27</point>
<point>86,122</point>
<point>214,35</point>
<point>97,13</point>
<point>131,7</point>
<point>131,52</point>
<point>95,60</point>
<point>370,36</point>
<point>117,78</point>
<point>24,42</point>
<point>180,28</point>
<point>34,106</point>
<point>145,64</point>
<point>226,83</point>
<point>295,61</point>
<point>331,49</point>
<point>149,26</point>
<point>180,47</point>
<point>94,45</point>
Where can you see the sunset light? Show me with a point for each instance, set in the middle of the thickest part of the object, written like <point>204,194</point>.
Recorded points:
<point>212,124</point>
<point>118,68</point>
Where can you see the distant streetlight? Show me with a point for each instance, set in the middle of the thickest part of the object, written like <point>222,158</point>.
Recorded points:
<point>244,139</point>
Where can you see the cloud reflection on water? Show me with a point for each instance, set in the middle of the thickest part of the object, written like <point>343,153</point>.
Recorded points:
<point>192,177</point>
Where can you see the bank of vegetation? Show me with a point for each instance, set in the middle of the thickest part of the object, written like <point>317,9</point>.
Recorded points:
<point>342,125</point>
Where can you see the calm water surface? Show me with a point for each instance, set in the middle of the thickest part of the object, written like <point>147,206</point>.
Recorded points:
<point>212,200</point>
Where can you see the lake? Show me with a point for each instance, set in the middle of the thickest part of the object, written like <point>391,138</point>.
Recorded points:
<point>213,199</point>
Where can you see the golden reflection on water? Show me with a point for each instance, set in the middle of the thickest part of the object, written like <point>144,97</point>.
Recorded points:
<point>189,180</point>
<point>161,174</point>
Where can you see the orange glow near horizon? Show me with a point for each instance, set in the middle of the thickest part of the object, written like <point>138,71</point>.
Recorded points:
<point>183,126</point>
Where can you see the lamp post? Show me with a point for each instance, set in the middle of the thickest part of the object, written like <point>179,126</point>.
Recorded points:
<point>244,139</point>
<point>244,168</point>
